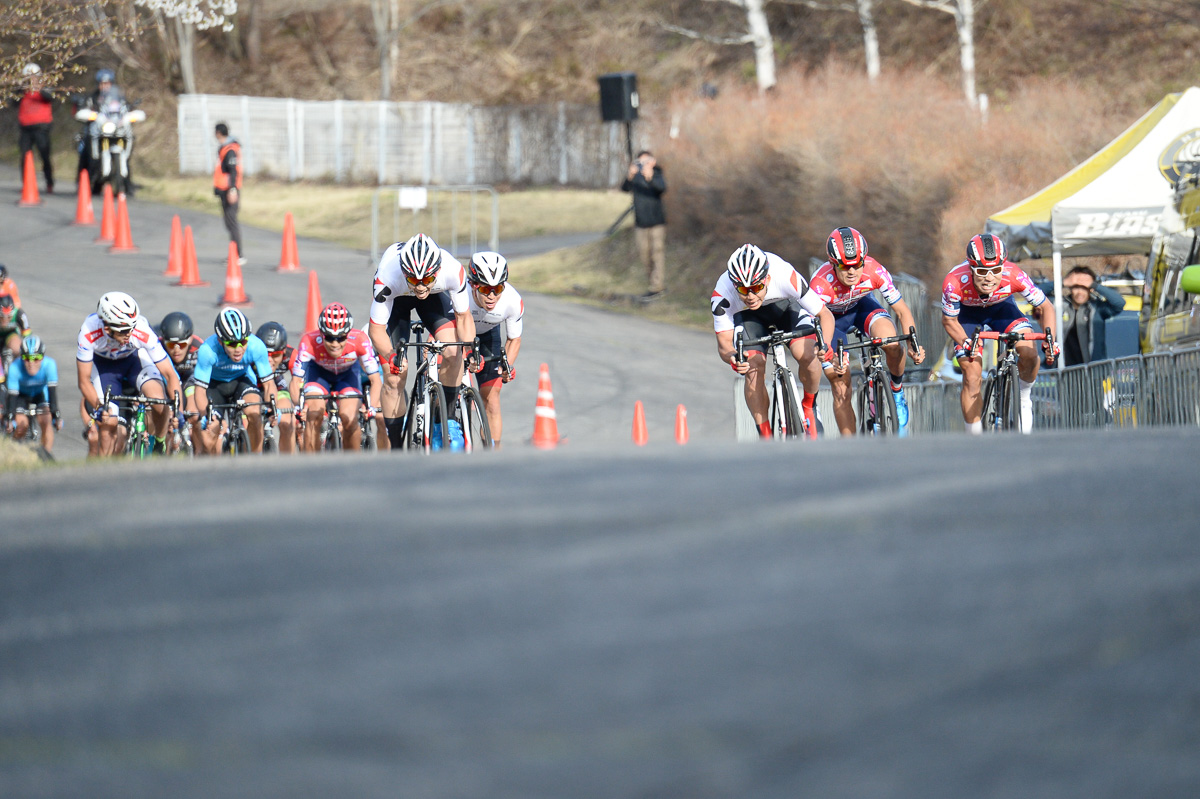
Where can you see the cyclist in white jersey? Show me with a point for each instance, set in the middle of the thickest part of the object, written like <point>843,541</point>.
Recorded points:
<point>118,350</point>
<point>759,290</point>
<point>417,275</point>
<point>492,301</point>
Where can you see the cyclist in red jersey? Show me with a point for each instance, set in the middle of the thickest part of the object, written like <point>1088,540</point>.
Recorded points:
<point>978,293</point>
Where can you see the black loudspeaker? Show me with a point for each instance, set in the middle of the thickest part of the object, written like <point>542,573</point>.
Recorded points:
<point>618,97</point>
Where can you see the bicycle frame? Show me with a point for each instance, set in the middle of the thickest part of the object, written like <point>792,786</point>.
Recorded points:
<point>1001,408</point>
<point>137,441</point>
<point>787,420</point>
<point>427,384</point>
<point>878,414</point>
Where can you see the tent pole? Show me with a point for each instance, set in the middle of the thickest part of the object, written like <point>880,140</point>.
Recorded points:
<point>1058,295</point>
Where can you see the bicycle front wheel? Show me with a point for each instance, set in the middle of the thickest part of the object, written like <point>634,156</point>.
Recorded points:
<point>331,441</point>
<point>1010,400</point>
<point>367,442</point>
<point>476,430</point>
<point>238,442</point>
<point>887,421</point>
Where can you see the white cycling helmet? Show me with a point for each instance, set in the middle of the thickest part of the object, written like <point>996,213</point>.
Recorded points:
<point>420,257</point>
<point>487,269</point>
<point>31,69</point>
<point>747,266</point>
<point>118,310</point>
<point>231,325</point>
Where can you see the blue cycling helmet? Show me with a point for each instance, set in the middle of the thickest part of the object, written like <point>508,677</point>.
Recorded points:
<point>32,345</point>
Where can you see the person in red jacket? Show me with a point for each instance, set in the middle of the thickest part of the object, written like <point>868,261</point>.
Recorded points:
<point>34,116</point>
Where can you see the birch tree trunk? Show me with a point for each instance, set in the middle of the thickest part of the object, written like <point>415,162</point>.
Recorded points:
<point>964,21</point>
<point>187,54</point>
<point>866,16</point>
<point>254,32</point>
<point>764,45</point>
<point>394,45</point>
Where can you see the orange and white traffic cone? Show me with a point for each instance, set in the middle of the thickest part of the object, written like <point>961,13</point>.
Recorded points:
<point>191,267</point>
<point>84,213</point>
<point>289,257</point>
<point>235,290</point>
<point>123,242</point>
<point>314,303</point>
<point>108,218</point>
<point>545,420</point>
<point>29,189</point>
<point>639,424</point>
<point>681,426</point>
<point>175,250</point>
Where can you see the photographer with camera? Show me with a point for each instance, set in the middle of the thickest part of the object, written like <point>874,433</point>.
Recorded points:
<point>645,180</point>
<point>1091,304</point>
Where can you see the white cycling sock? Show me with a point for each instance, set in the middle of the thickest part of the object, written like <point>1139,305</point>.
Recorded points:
<point>975,428</point>
<point>1026,407</point>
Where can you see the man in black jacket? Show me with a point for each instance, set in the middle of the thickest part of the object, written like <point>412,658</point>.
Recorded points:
<point>645,180</point>
<point>1090,305</point>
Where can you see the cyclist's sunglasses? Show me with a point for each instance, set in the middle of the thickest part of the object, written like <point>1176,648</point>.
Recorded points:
<point>420,281</point>
<point>987,270</point>
<point>170,343</point>
<point>746,291</point>
<point>491,291</point>
<point>277,353</point>
<point>117,331</point>
<point>337,339</point>
<point>848,267</point>
<point>32,357</point>
<point>241,342</point>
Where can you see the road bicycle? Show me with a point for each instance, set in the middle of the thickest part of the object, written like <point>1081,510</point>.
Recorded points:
<point>470,411</point>
<point>786,417</point>
<point>232,415</point>
<point>271,429</point>
<point>138,443</point>
<point>427,417</point>
<point>874,402</point>
<point>332,434</point>
<point>1002,386</point>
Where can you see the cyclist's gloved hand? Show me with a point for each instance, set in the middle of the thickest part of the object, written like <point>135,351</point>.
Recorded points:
<point>58,422</point>
<point>1052,352</point>
<point>964,350</point>
<point>740,367</point>
<point>509,375</point>
<point>371,412</point>
<point>474,362</point>
<point>395,363</point>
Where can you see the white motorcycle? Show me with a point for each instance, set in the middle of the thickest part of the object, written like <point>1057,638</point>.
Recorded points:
<point>110,137</point>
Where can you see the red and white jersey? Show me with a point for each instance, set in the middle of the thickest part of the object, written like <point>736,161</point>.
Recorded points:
<point>958,289</point>
<point>509,308</point>
<point>390,283</point>
<point>840,298</point>
<point>94,341</point>
<point>786,283</point>
<point>358,349</point>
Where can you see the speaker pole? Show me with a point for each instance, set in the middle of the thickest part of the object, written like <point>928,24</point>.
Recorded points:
<point>629,140</point>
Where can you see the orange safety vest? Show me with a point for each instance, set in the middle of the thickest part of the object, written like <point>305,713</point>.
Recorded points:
<point>220,177</point>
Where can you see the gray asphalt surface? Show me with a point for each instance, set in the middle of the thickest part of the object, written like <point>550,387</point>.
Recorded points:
<point>600,362</point>
<point>1010,617</point>
<point>940,617</point>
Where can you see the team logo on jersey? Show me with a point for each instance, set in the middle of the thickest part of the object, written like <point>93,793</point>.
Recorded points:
<point>964,278</point>
<point>382,292</point>
<point>719,304</point>
<point>1181,157</point>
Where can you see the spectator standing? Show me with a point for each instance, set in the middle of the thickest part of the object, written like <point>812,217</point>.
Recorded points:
<point>647,184</point>
<point>35,116</point>
<point>227,183</point>
<point>1083,322</point>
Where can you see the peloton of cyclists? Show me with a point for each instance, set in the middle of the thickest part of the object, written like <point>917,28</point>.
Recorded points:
<point>417,275</point>
<point>231,365</point>
<point>32,383</point>
<point>978,293</point>
<point>844,283</point>
<point>493,300</point>
<point>760,291</point>
<point>274,336</point>
<point>330,361</point>
<point>118,351</point>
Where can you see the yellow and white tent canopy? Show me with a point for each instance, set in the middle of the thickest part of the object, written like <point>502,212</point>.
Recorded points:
<point>1112,203</point>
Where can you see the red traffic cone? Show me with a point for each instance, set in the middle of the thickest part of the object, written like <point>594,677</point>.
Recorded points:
<point>108,218</point>
<point>29,189</point>
<point>314,303</point>
<point>681,428</point>
<point>191,267</point>
<point>289,257</point>
<point>175,250</point>
<point>235,290</point>
<point>545,420</point>
<point>639,424</point>
<point>84,213</point>
<point>124,239</point>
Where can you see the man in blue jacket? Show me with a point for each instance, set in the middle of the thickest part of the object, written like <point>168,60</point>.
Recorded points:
<point>1091,304</point>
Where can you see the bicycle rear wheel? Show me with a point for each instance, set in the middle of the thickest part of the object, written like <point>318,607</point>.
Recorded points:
<point>476,430</point>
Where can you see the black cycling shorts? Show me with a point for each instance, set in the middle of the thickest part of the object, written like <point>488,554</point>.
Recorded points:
<point>230,391</point>
<point>435,312</point>
<point>776,315</point>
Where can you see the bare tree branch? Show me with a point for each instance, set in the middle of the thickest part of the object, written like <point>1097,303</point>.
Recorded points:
<point>817,5</point>
<point>949,6</point>
<point>743,39</point>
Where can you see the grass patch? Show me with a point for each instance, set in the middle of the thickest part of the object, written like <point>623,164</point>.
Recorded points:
<point>16,457</point>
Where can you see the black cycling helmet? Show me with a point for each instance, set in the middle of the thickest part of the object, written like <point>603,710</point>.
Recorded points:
<point>6,302</point>
<point>3,272</point>
<point>274,335</point>
<point>176,326</point>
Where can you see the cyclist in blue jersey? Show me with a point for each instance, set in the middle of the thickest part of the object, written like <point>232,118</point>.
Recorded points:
<point>231,365</point>
<point>32,383</point>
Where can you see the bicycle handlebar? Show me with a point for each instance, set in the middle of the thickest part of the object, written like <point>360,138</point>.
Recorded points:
<point>910,336</point>
<point>777,337</point>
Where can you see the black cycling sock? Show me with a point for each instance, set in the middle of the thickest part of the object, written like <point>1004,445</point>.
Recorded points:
<point>897,382</point>
<point>395,432</point>
<point>451,393</point>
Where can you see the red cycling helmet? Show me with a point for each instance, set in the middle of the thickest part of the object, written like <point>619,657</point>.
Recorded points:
<point>846,247</point>
<point>335,321</point>
<point>986,249</point>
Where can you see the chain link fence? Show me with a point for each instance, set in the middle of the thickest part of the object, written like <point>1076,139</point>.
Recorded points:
<point>419,143</point>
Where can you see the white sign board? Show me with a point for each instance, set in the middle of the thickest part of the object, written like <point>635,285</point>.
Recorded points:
<point>414,197</point>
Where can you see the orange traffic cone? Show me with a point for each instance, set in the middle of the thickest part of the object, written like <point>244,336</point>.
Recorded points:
<point>289,257</point>
<point>108,218</point>
<point>639,424</point>
<point>29,189</point>
<point>681,428</point>
<point>124,239</point>
<point>175,250</point>
<point>84,213</point>
<point>235,290</point>
<point>314,303</point>
<point>191,267</point>
<point>545,420</point>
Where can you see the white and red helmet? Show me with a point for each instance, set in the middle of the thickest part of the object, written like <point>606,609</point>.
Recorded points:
<point>747,266</point>
<point>420,257</point>
<point>986,250</point>
<point>117,310</point>
<point>335,321</point>
<point>846,247</point>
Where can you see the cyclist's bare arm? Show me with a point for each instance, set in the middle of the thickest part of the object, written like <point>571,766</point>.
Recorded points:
<point>826,321</point>
<point>380,340</point>
<point>374,387</point>
<point>511,348</point>
<point>907,322</point>
<point>955,330</point>
<point>84,372</point>
<point>1045,315</point>
<point>464,326</point>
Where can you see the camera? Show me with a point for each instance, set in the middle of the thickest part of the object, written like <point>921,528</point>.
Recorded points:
<point>638,163</point>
